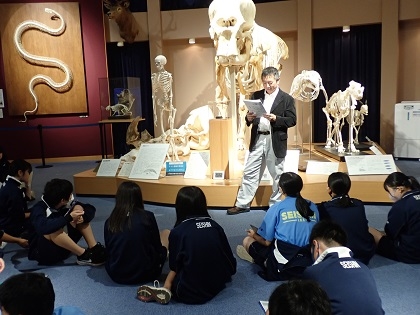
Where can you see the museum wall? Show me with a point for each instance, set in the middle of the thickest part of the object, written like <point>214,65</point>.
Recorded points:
<point>70,135</point>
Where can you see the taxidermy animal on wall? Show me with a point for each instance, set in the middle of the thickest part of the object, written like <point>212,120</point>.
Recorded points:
<point>119,12</point>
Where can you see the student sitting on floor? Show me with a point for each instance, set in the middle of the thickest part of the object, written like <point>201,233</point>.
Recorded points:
<point>350,214</point>
<point>4,166</point>
<point>280,245</point>
<point>401,239</point>
<point>200,259</point>
<point>135,253</point>
<point>299,297</point>
<point>51,216</point>
<point>349,283</point>
<point>14,213</point>
<point>31,294</point>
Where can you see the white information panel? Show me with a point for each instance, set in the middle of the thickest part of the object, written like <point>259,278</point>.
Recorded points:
<point>321,168</point>
<point>370,164</point>
<point>108,167</point>
<point>197,165</point>
<point>149,161</point>
<point>126,169</point>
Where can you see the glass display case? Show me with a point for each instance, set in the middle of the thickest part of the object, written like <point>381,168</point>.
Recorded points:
<point>120,98</point>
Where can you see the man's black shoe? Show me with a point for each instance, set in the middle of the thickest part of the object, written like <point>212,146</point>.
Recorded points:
<point>237,210</point>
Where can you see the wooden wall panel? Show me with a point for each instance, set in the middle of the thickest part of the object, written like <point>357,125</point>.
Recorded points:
<point>66,47</point>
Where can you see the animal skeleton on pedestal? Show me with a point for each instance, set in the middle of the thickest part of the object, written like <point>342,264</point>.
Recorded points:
<point>243,48</point>
<point>359,117</point>
<point>340,105</point>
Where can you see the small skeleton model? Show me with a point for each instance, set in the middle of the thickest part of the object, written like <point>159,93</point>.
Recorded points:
<point>162,99</point>
<point>359,117</point>
<point>123,107</point>
<point>340,105</point>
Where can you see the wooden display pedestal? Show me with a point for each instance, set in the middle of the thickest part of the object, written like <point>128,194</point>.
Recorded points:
<point>222,193</point>
<point>220,135</point>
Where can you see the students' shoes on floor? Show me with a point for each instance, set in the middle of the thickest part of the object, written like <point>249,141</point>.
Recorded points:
<point>95,256</point>
<point>147,293</point>
<point>236,210</point>
<point>243,254</point>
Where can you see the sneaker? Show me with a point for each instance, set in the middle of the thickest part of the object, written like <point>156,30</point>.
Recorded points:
<point>243,254</point>
<point>147,293</point>
<point>98,252</point>
<point>88,259</point>
<point>236,210</point>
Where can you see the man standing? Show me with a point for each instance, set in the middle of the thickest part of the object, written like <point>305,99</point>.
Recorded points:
<point>349,283</point>
<point>268,143</point>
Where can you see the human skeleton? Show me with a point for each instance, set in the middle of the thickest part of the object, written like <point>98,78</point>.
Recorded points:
<point>340,105</point>
<point>162,100</point>
<point>244,49</point>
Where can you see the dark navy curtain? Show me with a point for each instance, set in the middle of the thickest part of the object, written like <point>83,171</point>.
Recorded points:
<point>341,57</point>
<point>168,5</point>
<point>131,60</point>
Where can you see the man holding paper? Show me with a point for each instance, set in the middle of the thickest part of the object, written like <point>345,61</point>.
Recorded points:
<point>268,143</point>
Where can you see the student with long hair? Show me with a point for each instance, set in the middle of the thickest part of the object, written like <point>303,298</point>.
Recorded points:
<point>135,252</point>
<point>401,237</point>
<point>350,214</point>
<point>200,258</point>
<point>283,233</point>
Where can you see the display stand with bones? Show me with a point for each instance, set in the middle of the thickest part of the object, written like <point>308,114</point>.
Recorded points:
<point>305,87</point>
<point>243,50</point>
<point>339,106</point>
<point>358,119</point>
<point>162,101</point>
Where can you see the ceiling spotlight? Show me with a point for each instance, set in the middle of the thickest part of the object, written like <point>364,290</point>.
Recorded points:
<point>191,41</point>
<point>120,44</point>
<point>346,28</point>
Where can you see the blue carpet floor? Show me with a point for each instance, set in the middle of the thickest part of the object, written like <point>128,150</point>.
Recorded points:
<point>92,290</point>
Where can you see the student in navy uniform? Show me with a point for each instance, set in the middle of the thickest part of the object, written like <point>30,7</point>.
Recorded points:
<point>31,293</point>
<point>299,297</point>
<point>350,214</point>
<point>200,258</point>
<point>135,253</point>
<point>401,239</point>
<point>283,233</point>
<point>56,212</point>
<point>4,166</point>
<point>14,213</point>
<point>349,283</point>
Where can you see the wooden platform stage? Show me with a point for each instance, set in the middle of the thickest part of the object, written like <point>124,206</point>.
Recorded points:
<point>222,193</point>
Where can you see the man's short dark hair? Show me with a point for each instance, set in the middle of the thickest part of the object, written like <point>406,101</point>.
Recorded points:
<point>27,294</point>
<point>299,297</point>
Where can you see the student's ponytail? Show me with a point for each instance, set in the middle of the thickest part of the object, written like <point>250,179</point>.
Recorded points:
<point>303,208</point>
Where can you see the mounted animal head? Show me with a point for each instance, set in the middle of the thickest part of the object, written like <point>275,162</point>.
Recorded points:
<point>119,12</point>
<point>231,25</point>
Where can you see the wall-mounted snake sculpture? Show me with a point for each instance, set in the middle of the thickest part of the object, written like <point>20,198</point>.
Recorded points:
<point>43,61</point>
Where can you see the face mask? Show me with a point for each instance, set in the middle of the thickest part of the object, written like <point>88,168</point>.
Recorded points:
<point>70,203</point>
<point>392,198</point>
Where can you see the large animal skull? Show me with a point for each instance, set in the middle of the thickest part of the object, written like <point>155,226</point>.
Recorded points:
<point>231,24</point>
